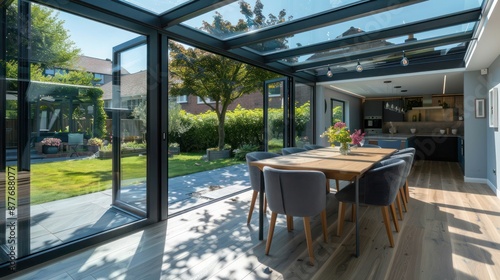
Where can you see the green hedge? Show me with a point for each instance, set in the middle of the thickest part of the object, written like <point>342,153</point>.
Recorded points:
<point>242,127</point>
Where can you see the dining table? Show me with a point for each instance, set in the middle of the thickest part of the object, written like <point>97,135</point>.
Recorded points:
<point>332,163</point>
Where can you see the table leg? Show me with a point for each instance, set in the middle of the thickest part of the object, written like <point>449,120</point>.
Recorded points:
<point>357,215</point>
<point>261,207</point>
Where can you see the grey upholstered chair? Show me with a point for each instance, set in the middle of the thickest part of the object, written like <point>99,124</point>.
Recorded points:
<point>255,176</point>
<point>312,146</point>
<point>409,150</point>
<point>379,186</point>
<point>292,150</point>
<point>296,193</point>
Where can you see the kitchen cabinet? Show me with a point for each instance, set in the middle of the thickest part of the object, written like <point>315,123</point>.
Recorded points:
<point>460,153</point>
<point>373,108</point>
<point>439,148</point>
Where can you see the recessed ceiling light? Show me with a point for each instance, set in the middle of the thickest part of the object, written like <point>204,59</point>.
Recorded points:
<point>404,90</point>
<point>387,82</point>
<point>397,86</point>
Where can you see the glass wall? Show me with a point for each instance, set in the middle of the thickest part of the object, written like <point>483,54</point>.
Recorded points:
<point>73,166</point>
<point>304,120</point>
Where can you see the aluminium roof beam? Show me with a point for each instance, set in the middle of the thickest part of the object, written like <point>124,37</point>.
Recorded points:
<point>352,11</point>
<point>424,25</point>
<point>190,10</point>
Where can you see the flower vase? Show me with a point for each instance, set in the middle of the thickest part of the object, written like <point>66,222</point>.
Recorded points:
<point>344,148</point>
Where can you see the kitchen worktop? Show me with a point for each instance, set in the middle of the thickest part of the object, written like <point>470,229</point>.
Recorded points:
<point>406,136</point>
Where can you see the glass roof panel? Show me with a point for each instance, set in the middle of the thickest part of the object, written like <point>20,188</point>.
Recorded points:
<point>272,12</point>
<point>352,50</point>
<point>156,6</point>
<point>396,17</point>
<point>392,59</point>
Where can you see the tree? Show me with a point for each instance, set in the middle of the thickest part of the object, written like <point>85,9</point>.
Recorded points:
<point>50,43</point>
<point>218,81</point>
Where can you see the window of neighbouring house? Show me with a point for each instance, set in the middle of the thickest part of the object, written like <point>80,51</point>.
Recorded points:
<point>182,99</point>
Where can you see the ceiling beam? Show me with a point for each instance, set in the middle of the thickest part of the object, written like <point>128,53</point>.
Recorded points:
<point>190,10</point>
<point>402,30</point>
<point>415,45</point>
<point>452,61</point>
<point>317,20</point>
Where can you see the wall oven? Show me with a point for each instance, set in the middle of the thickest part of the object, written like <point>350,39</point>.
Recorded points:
<point>372,124</point>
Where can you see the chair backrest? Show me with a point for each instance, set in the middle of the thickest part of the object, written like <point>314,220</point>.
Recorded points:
<point>408,158</point>
<point>409,150</point>
<point>253,171</point>
<point>381,184</point>
<point>298,193</point>
<point>313,146</point>
<point>75,139</point>
<point>292,150</point>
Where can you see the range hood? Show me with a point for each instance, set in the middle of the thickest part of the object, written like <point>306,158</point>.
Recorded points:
<point>427,103</point>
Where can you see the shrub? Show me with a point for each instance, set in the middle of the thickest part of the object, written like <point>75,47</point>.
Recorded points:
<point>241,152</point>
<point>94,142</point>
<point>56,142</point>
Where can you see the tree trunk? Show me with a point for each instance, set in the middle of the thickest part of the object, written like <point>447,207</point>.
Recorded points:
<point>222,134</point>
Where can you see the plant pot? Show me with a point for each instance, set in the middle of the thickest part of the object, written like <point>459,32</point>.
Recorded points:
<point>93,149</point>
<point>214,154</point>
<point>174,150</point>
<point>50,149</point>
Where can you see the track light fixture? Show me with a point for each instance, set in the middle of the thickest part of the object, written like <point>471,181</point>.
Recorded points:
<point>359,68</point>
<point>404,60</point>
<point>329,72</point>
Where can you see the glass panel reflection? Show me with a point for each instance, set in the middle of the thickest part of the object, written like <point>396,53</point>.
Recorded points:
<point>404,15</point>
<point>352,50</point>
<point>64,179</point>
<point>156,6</point>
<point>242,17</point>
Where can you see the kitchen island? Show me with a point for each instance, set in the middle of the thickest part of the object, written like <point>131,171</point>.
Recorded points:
<point>429,146</point>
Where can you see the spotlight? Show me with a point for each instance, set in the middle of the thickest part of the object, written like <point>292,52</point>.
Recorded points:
<point>404,60</point>
<point>329,73</point>
<point>359,68</point>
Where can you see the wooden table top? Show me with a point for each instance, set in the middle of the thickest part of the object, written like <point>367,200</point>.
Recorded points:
<point>329,161</point>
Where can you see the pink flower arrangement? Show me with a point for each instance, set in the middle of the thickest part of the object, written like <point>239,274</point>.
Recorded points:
<point>357,137</point>
<point>341,134</point>
<point>56,142</point>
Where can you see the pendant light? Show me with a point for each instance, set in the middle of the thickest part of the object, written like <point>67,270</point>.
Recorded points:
<point>329,72</point>
<point>404,60</point>
<point>359,67</point>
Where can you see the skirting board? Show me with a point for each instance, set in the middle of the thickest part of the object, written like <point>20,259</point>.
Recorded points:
<point>483,181</point>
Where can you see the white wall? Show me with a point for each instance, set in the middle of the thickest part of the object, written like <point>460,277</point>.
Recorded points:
<point>324,110</point>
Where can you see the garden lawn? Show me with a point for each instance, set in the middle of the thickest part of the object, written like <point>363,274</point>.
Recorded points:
<point>62,179</point>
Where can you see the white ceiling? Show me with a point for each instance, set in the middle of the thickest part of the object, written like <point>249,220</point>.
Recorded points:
<point>485,51</point>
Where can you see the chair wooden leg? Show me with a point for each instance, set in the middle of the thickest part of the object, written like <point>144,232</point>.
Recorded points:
<point>271,231</point>
<point>385,215</point>
<point>341,217</point>
<point>307,230</point>
<point>394,218</point>
<point>289,223</point>
<point>265,204</point>
<point>252,205</point>
<point>337,183</point>
<point>400,208</point>
<point>403,198</point>
<point>407,192</point>
<point>324,225</point>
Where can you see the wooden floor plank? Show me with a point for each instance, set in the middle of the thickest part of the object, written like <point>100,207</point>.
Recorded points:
<point>451,231</point>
